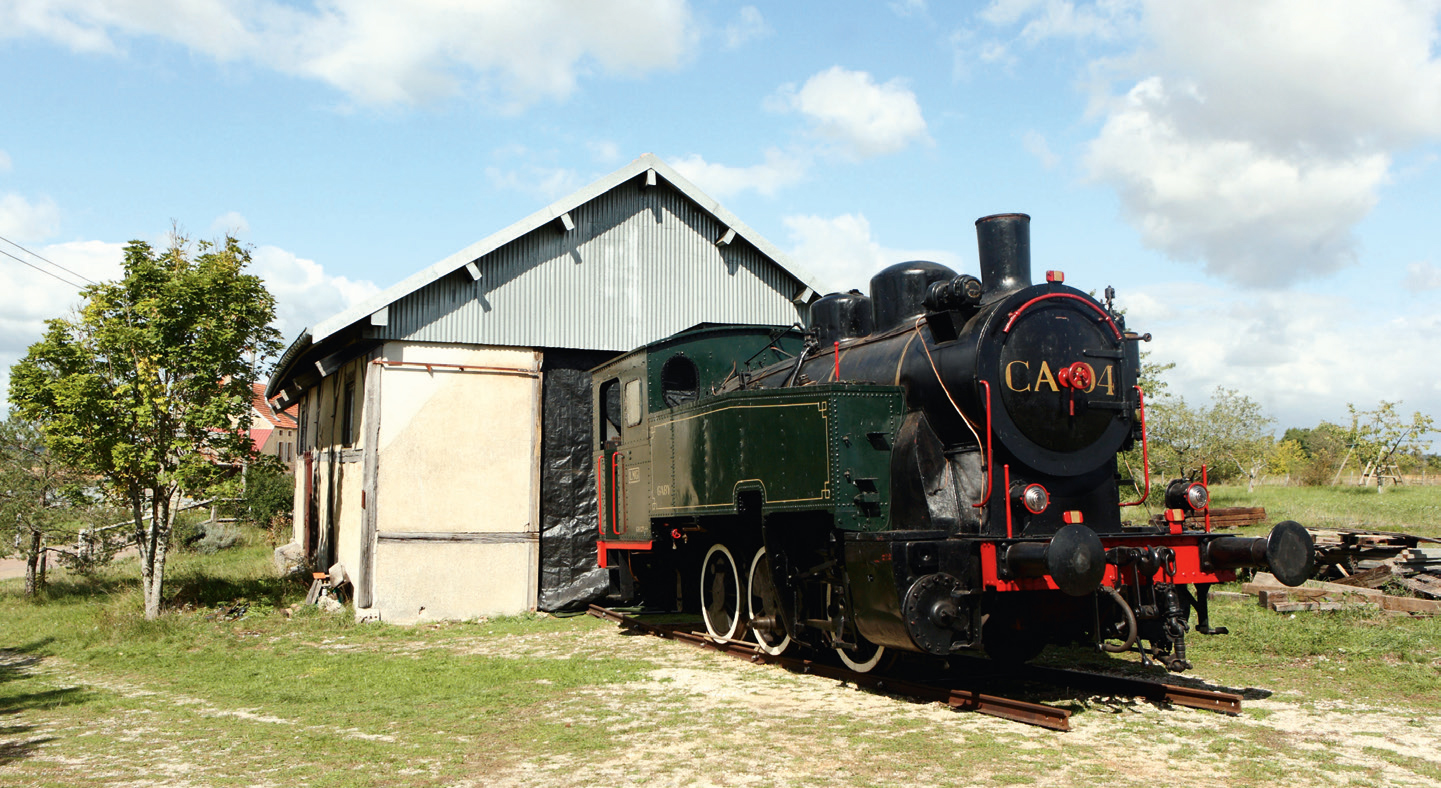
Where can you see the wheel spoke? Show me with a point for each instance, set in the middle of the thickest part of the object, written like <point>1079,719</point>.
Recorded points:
<point>720,588</point>
<point>767,626</point>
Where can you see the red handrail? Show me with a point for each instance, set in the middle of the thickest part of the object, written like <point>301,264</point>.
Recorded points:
<point>1007,469</point>
<point>1088,302</point>
<point>1145,453</point>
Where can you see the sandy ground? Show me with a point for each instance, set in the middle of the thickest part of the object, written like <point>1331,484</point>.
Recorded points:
<point>699,718</point>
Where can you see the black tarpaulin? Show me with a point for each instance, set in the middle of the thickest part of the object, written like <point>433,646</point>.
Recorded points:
<point>570,578</point>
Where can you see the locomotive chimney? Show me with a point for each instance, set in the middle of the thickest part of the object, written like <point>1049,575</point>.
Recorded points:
<point>1005,246</point>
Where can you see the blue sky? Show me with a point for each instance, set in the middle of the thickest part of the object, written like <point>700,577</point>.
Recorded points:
<point>1256,178</point>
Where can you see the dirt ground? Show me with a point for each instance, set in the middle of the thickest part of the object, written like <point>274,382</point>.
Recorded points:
<point>700,718</point>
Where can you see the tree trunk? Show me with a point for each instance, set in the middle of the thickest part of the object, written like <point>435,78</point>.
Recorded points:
<point>152,569</point>
<point>33,579</point>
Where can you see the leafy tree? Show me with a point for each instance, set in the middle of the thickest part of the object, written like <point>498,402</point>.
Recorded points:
<point>148,386</point>
<point>1231,437</point>
<point>1239,434</point>
<point>1378,436</point>
<point>42,501</point>
<point>1287,458</point>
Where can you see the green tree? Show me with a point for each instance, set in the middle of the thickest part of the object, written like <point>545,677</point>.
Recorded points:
<point>1287,458</point>
<point>1231,437</point>
<point>1379,436</point>
<point>43,502</point>
<point>1238,434</point>
<point>148,386</point>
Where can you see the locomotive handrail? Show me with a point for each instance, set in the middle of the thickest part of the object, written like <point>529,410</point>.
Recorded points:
<point>1145,454</point>
<point>600,491</point>
<point>989,481</point>
<point>1088,302</point>
<point>614,493</point>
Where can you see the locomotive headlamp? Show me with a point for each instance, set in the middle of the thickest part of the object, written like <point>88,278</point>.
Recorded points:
<point>1032,496</point>
<point>1186,494</point>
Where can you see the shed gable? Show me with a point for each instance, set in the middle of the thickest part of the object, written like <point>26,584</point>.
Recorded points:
<point>638,263</point>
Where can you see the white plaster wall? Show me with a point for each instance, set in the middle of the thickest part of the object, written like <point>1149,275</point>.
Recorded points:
<point>428,581</point>
<point>458,450</point>
<point>458,453</point>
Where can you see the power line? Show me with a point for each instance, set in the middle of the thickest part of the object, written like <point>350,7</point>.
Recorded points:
<point>51,274</point>
<point>52,262</point>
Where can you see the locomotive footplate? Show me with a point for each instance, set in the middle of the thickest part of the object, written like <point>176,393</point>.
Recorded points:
<point>929,592</point>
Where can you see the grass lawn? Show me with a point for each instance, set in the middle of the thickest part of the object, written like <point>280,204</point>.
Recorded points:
<point>1414,509</point>
<point>92,694</point>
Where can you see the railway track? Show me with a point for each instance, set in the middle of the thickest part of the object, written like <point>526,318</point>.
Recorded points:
<point>945,690</point>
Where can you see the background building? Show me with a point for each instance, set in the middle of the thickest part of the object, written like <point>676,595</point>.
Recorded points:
<point>272,431</point>
<point>444,424</point>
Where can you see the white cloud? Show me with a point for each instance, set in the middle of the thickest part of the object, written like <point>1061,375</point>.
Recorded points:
<point>850,109</point>
<point>841,251</point>
<point>1252,215</point>
<point>1302,355</point>
<point>1036,145</point>
<point>603,151</point>
<point>231,223</point>
<point>23,220</point>
<point>547,183</point>
<point>1422,276</point>
<point>305,293</point>
<point>28,297</point>
<point>778,171</point>
<point>1253,135</point>
<point>748,26</point>
<point>908,8</point>
<point>380,52</point>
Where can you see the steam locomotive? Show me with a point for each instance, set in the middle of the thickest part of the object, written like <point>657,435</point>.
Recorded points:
<point>931,468</point>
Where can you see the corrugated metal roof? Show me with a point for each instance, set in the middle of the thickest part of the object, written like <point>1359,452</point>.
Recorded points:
<point>639,263</point>
<point>549,216</point>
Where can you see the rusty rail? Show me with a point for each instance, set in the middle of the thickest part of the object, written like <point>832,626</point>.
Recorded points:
<point>959,699</point>
<point>962,699</point>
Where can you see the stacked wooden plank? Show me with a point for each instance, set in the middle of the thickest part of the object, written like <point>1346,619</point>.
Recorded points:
<point>1315,595</point>
<point>1221,517</point>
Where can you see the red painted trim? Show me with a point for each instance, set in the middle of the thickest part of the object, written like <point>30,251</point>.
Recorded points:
<point>837,376</point>
<point>1145,451</point>
<point>989,456</point>
<point>1188,567</point>
<point>1009,534</point>
<point>1083,299</point>
<point>629,545</point>
<point>1208,498</point>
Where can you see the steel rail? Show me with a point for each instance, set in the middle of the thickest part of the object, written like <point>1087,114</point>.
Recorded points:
<point>959,699</point>
<point>1155,691</point>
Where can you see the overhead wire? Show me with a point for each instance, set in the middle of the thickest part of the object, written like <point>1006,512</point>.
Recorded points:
<point>51,274</point>
<point>42,258</point>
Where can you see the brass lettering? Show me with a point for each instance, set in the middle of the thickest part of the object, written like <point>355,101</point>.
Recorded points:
<point>1045,376</point>
<point>1011,384</point>
<point>1107,381</point>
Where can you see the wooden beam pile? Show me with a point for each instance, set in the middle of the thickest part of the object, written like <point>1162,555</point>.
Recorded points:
<point>1221,517</point>
<point>1316,595</point>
